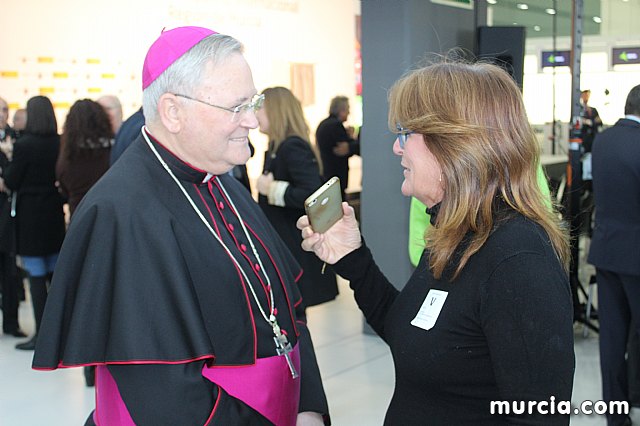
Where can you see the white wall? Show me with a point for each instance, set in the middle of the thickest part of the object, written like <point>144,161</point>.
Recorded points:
<point>119,32</point>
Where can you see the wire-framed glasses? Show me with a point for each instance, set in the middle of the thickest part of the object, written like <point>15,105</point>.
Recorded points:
<point>238,111</point>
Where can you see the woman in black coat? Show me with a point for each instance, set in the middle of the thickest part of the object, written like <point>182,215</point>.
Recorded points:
<point>40,224</point>
<point>291,173</point>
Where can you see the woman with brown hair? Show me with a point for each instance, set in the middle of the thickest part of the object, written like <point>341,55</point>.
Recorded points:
<point>291,174</point>
<point>487,314</point>
<point>85,149</point>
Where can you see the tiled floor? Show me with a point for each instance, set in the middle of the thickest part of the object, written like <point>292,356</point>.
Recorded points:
<point>357,372</point>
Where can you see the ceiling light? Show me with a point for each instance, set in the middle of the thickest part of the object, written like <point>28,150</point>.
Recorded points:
<point>597,20</point>
<point>550,11</point>
<point>522,6</point>
<point>492,1</point>
<point>536,28</point>
<point>515,23</point>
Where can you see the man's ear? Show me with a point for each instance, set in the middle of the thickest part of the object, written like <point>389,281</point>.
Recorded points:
<point>170,112</point>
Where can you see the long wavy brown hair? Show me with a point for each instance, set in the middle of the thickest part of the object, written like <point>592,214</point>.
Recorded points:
<point>86,129</point>
<point>473,120</point>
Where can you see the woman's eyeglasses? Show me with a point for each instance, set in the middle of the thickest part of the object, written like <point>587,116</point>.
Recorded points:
<point>403,135</point>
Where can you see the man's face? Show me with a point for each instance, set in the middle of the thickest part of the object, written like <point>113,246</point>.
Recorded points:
<point>20,119</point>
<point>113,110</point>
<point>585,97</point>
<point>4,113</point>
<point>344,113</point>
<point>211,138</point>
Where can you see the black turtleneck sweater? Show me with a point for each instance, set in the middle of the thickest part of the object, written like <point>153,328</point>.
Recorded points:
<point>504,331</point>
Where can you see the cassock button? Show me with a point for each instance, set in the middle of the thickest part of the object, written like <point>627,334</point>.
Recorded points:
<point>257,267</point>
<point>231,227</point>
<point>221,205</point>
<point>243,247</point>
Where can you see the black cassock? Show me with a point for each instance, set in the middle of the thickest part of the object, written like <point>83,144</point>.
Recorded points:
<point>141,280</point>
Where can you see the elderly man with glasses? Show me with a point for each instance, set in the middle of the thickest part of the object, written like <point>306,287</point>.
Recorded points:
<point>171,281</point>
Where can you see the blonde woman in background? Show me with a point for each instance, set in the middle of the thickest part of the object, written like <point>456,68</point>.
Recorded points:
<point>291,173</point>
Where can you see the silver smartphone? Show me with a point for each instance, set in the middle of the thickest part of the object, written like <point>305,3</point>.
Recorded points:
<point>324,206</point>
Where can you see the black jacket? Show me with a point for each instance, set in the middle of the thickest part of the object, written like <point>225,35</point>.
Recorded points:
<point>294,162</point>
<point>331,131</point>
<point>31,176</point>
<point>616,188</point>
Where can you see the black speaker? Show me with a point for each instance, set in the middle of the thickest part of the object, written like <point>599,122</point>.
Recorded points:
<point>503,46</point>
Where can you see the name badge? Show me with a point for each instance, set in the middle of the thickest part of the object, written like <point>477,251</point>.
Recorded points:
<point>430,310</point>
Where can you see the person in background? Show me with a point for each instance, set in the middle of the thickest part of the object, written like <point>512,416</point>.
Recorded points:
<point>10,278</point>
<point>19,121</point>
<point>40,228</point>
<point>84,152</point>
<point>591,121</point>
<point>241,173</point>
<point>113,107</point>
<point>336,143</point>
<point>487,314</point>
<point>614,247</point>
<point>290,175</point>
<point>128,132</point>
<point>5,129</point>
<point>171,281</point>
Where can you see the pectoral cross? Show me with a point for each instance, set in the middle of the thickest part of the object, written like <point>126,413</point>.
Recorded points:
<point>283,347</point>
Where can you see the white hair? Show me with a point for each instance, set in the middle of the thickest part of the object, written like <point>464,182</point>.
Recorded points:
<point>186,73</point>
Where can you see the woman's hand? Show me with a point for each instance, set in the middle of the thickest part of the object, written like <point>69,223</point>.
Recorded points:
<point>339,240</point>
<point>264,183</point>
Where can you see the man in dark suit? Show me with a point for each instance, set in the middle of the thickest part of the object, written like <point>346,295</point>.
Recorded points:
<point>336,143</point>
<point>591,121</point>
<point>615,251</point>
<point>127,133</point>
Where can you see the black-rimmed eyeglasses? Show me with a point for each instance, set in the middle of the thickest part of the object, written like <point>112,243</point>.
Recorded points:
<point>255,104</point>
<point>403,135</point>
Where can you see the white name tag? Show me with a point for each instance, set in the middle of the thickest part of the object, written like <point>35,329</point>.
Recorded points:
<point>430,310</point>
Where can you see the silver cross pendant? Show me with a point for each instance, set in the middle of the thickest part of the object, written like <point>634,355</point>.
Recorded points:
<point>283,347</point>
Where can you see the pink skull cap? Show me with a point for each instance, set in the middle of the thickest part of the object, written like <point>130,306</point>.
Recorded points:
<point>170,46</point>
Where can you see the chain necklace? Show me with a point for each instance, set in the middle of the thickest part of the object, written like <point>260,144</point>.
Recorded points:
<point>283,347</point>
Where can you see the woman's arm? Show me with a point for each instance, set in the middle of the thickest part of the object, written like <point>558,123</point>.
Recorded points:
<point>297,162</point>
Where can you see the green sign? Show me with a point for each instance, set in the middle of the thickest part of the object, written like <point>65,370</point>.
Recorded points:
<point>625,55</point>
